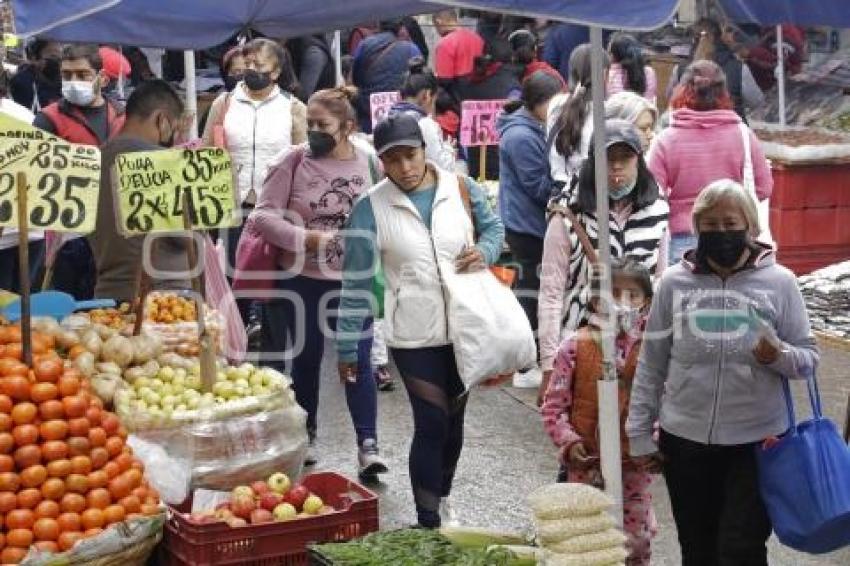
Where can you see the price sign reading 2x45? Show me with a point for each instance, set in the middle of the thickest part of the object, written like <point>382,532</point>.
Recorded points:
<point>151,186</point>
<point>62,179</point>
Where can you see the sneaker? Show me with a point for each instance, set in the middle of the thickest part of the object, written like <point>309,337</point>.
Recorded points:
<point>371,463</point>
<point>448,518</point>
<point>384,379</point>
<point>310,459</point>
<point>530,379</point>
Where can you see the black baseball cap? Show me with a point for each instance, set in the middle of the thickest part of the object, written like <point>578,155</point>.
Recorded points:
<point>622,131</point>
<point>399,130</point>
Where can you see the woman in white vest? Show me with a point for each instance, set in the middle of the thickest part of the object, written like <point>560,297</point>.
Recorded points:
<point>254,123</point>
<point>416,223</point>
<point>638,225</point>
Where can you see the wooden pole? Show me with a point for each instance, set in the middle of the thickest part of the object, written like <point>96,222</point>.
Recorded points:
<point>482,164</point>
<point>24,268</point>
<point>207,353</point>
<point>143,287</point>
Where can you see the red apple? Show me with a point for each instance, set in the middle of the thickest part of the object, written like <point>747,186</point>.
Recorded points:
<point>296,496</point>
<point>259,488</point>
<point>261,516</point>
<point>242,506</point>
<point>269,501</point>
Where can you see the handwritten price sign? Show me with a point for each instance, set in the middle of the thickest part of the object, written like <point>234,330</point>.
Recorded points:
<point>63,179</point>
<point>380,104</point>
<point>478,122</point>
<point>150,186</point>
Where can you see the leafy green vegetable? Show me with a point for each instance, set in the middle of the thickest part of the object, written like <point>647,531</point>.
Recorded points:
<point>410,547</point>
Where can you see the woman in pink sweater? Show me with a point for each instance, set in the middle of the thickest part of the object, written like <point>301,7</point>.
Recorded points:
<point>704,143</point>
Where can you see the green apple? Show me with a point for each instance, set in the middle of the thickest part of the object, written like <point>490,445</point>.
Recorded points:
<point>157,384</point>
<point>256,379</point>
<point>180,373</point>
<point>194,382</point>
<point>313,504</point>
<point>166,373</point>
<point>223,389</point>
<point>285,512</point>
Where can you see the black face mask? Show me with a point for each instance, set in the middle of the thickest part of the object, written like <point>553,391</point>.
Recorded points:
<point>256,80</point>
<point>723,248</point>
<point>321,143</point>
<point>231,81</point>
<point>51,70</point>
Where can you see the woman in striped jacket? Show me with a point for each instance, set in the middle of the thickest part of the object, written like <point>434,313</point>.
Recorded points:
<point>638,225</point>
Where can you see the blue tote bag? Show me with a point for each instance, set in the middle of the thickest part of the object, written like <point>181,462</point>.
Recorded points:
<point>805,480</point>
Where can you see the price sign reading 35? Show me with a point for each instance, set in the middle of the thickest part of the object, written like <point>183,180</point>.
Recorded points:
<point>63,179</point>
<point>478,122</point>
<point>151,186</point>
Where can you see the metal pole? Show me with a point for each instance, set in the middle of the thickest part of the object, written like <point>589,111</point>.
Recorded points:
<point>337,50</point>
<point>780,75</point>
<point>121,73</point>
<point>609,413</point>
<point>191,92</point>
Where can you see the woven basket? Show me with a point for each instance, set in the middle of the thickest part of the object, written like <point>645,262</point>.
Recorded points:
<point>136,555</point>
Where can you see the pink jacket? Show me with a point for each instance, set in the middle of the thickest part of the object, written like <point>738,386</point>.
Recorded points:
<point>697,149</point>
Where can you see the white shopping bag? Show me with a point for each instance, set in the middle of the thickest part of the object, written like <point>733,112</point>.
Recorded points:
<point>488,328</point>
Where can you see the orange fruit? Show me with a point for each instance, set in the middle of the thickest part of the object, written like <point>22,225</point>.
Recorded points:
<point>20,538</point>
<point>122,432</point>
<point>112,470</point>
<point>34,476</point>
<point>69,385</point>
<point>79,446</point>
<point>81,464</point>
<point>47,508</point>
<point>77,483</point>
<point>51,410</point>
<point>68,539</point>
<point>92,532</point>
<point>55,429</point>
<point>5,422</point>
<point>97,436</point>
<point>120,487</point>
<point>110,423</point>
<point>114,446</point>
<point>7,463</point>
<point>46,529</point>
<point>59,468</point>
<point>48,370</point>
<point>134,478</point>
<point>24,413</point>
<point>124,461</point>
<point>75,406</point>
<point>16,386</point>
<point>114,514</point>
<point>9,481</point>
<point>8,501</point>
<point>93,519</point>
<point>27,456</point>
<point>98,498</point>
<point>7,442</point>
<point>20,519</point>
<point>131,504</point>
<point>73,503</point>
<point>69,522</point>
<point>41,392</point>
<point>150,509</point>
<point>54,450</point>
<point>93,414</point>
<point>53,489</point>
<point>78,427</point>
<point>98,478</point>
<point>29,498</point>
<point>99,457</point>
<point>47,546</point>
<point>12,555</point>
<point>25,434</point>
<point>5,402</point>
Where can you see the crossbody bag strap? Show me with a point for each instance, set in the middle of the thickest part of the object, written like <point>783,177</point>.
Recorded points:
<point>467,202</point>
<point>583,238</point>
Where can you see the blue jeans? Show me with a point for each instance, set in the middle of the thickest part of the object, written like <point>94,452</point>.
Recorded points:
<point>679,244</point>
<point>282,330</point>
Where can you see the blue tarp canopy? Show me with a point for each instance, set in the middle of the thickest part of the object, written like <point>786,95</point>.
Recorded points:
<point>197,24</point>
<point>834,13</point>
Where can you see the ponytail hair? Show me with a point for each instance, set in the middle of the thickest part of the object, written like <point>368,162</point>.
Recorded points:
<point>575,110</point>
<point>523,47</point>
<point>418,78</point>
<point>626,51</point>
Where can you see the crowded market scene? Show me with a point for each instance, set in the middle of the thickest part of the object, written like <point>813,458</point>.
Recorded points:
<point>293,284</point>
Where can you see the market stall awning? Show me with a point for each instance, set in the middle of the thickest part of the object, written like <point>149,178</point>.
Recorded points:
<point>835,13</point>
<point>197,24</point>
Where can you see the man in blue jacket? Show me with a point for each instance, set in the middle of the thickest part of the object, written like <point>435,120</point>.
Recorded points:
<point>380,62</point>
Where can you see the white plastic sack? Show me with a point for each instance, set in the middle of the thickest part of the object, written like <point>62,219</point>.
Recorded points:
<point>172,487</point>
<point>487,327</point>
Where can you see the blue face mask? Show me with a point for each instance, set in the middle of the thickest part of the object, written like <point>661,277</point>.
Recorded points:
<point>622,192</point>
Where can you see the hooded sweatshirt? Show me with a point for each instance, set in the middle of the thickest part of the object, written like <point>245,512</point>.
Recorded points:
<point>525,184</point>
<point>697,149</point>
<point>704,383</point>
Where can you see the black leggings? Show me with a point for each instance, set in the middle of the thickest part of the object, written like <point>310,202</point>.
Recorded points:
<point>437,397</point>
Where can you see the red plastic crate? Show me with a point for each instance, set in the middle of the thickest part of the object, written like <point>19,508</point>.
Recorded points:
<point>278,543</point>
<point>823,185</point>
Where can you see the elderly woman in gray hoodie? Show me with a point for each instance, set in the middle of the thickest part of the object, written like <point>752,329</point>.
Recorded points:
<point>711,374</point>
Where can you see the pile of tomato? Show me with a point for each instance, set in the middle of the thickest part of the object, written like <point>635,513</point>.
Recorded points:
<point>65,470</point>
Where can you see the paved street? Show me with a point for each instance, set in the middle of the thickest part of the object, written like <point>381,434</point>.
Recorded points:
<point>507,454</point>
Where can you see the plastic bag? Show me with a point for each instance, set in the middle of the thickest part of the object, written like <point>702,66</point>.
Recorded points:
<point>220,296</point>
<point>174,486</point>
<point>117,538</point>
<point>488,328</point>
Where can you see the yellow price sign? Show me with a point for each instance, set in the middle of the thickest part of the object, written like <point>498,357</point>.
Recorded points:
<point>63,179</point>
<point>150,187</point>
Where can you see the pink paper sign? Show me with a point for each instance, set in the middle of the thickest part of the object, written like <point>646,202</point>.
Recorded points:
<point>380,104</point>
<point>478,122</point>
